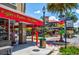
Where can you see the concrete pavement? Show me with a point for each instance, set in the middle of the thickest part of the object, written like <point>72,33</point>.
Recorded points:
<point>56,51</point>
<point>26,49</point>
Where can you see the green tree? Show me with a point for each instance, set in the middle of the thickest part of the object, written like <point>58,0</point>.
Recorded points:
<point>61,9</point>
<point>72,16</point>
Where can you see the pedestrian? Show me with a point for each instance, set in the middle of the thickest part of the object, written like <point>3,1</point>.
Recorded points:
<point>13,37</point>
<point>16,38</point>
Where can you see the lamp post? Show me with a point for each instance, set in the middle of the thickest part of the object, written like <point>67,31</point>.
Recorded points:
<point>43,40</point>
<point>43,15</point>
<point>43,20</point>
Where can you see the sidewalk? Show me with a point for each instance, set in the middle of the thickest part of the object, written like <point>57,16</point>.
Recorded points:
<point>56,51</point>
<point>28,50</point>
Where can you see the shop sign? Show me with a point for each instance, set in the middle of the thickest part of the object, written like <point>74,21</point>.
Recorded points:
<point>7,14</point>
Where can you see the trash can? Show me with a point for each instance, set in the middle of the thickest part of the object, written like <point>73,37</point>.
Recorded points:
<point>42,42</point>
<point>40,38</point>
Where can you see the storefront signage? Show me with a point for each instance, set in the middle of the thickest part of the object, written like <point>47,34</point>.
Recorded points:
<point>4,13</point>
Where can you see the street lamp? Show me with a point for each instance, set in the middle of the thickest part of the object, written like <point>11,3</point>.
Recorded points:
<point>43,9</point>
<point>42,39</point>
<point>43,15</point>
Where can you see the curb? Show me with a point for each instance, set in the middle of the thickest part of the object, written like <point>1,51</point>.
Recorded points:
<point>50,52</point>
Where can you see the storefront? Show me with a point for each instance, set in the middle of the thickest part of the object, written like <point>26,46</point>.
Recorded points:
<point>10,15</point>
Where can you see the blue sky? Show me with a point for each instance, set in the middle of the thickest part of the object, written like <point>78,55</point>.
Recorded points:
<point>35,10</point>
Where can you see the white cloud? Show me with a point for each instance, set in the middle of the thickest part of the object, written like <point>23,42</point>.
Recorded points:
<point>77,11</point>
<point>37,12</point>
<point>53,18</point>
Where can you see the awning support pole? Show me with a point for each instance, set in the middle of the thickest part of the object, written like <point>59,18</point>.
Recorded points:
<point>9,29</point>
<point>32,33</point>
<point>36,38</point>
<point>32,36</point>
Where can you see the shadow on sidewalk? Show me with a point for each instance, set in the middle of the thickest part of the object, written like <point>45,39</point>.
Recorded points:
<point>22,46</point>
<point>55,43</point>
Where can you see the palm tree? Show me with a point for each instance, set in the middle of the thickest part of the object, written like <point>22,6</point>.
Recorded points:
<point>72,16</point>
<point>61,9</point>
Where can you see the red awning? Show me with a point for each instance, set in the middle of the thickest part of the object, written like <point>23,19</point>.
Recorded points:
<point>8,14</point>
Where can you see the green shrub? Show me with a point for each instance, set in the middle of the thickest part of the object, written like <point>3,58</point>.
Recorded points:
<point>69,50</point>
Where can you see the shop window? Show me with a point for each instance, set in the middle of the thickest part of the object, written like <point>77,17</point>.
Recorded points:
<point>3,32</point>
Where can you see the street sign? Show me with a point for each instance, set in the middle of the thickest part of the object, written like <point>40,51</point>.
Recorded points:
<point>69,23</point>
